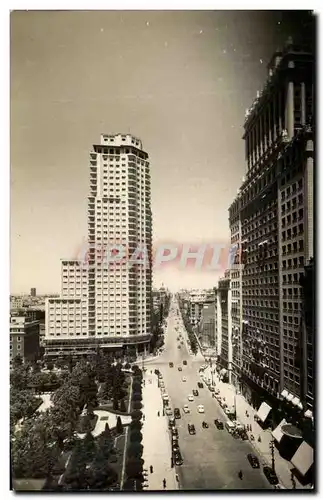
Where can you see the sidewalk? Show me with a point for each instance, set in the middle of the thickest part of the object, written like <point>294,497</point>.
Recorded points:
<point>282,466</point>
<point>156,441</point>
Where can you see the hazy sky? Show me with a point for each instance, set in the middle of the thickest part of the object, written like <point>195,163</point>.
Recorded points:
<point>180,81</point>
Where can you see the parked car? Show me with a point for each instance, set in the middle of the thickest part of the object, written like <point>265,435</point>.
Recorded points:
<point>200,408</point>
<point>184,379</point>
<point>191,429</point>
<point>211,389</point>
<point>186,409</point>
<point>190,397</point>
<point>200,385</point>
<point>195,392</point>
<point>169,412</point>
<point>178,458</point>
<point>270,475</point>
<point>254,462</point>
<point>171,422</point>
<point>184,362</point>
<point>174,431</point>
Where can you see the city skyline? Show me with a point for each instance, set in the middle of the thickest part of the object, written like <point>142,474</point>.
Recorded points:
<point>197,57</point>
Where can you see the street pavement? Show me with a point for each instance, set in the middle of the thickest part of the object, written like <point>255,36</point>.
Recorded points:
<point>282,466</point>
<point>212,458</point>
<point>157,448</point>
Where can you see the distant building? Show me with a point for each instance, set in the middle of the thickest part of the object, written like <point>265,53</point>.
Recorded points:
<point>206,327</point>
<point>24,338</point>
<point>16,302</point>
<point>33,292</point>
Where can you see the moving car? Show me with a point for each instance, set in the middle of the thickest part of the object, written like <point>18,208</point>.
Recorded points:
<point>178,347</point>
<point>270,475</point>
<point>219,424</point>
<point>186,409</point>
<point>184,362</point>
<point>217,391</point>
<point>211,389</point>
<point>169,412</point>
<point>165,397</point>
<point>195,392</point>
<point>171,365</point>
<point>180,368</point>
<point>200,408</point>
<point>254,462</point>
<point>184,379</point>
<point>177,413</point>
<point>200,385</point>
<point>190,397</point>
<point>191,429</point>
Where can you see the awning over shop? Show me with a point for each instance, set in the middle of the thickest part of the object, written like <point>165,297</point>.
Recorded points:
<point>263,411</point>
<point>223,371</point>
<point>308,414</point>
<point>277,433</point>
<point>303,458</point>
<point>291,431</point>
<point>296,401</point>
<point>284,394</point>
<point>289,397</point>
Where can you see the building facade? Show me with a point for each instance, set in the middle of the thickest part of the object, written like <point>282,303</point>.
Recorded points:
<point>24,338</point>
<point>106,293</point>
<point>273,217</point>
<point>206,326</point>
<point>33,292</point>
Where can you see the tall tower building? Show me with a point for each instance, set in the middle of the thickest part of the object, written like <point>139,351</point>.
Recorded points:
<point>106,293</point>
<point>33,292</point>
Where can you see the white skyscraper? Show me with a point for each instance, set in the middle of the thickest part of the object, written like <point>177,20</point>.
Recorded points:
<point>105,299</point>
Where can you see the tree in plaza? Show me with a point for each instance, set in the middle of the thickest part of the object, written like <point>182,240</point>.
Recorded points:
<point>22,404</point>
<point>136,415</point>
<point>19,376</point>
<point>32,455</point>
<point>102,475</point>
<point>137,396</point>
<point>50,366</point>
<point>76,475</point>
<point>135,424</point>
<point>135,449</point>
<point>135,436</point>
<point>89,447</point>
<point>122,408</point>
<point>105,442</point>
<point>134,468</point>
<point>136,405</point>
<point>119,426</point>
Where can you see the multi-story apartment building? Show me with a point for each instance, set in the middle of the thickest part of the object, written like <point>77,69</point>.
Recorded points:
<point>24,338</point>
<point>236,287</point>
<point>224,324</point>
<point>106,294</point>
<point>206,326</point>
<point>275,212</point>
<point>306,351</point>
<point>16,302</point>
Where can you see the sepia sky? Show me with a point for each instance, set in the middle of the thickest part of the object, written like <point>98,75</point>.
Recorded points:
<point>179,80</point>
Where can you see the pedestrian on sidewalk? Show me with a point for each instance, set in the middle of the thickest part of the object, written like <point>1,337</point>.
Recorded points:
<point>164,483</point>
<point>177,478</point>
